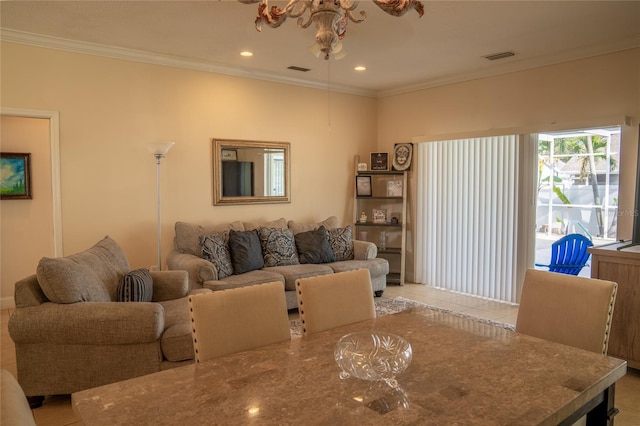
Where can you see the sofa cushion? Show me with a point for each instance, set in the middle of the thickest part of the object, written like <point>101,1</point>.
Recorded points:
<point>278,246</point>
<point>313,246</point>
<point>279,223</point>
<point>341,243</point>
<point>246,251</point>
<point>215,249</point>
<point>89,276</point>
<point>188,235</point>
<point>329,223</point>
<point>377,267</point>
<point>176,341</point>
<point>135,286</point>
<point>292,272</point>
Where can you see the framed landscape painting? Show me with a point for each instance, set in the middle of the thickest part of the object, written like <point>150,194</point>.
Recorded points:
<point>15,176</point>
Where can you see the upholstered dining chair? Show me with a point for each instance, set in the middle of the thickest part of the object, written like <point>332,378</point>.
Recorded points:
<point>238,319</point>
<point>575,311</point>
<point>333,300</point>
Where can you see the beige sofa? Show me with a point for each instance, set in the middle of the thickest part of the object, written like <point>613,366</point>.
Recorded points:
<point>71,334</point>
<point>283,237</point>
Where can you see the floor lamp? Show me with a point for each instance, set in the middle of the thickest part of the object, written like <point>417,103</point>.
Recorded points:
<point>159,150</point>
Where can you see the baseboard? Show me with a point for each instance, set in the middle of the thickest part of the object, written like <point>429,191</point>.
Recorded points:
<point>7,303</point>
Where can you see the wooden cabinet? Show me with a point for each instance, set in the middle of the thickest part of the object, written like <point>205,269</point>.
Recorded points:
<point>622,267</point>
<point>381,196</point>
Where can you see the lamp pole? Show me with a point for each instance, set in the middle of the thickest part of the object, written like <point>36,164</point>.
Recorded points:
<point>159,150</point>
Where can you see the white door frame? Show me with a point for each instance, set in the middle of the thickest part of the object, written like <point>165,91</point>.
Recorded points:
<point>54,140</point>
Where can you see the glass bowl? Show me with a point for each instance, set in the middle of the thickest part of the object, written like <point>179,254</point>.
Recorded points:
<point>372,356</point>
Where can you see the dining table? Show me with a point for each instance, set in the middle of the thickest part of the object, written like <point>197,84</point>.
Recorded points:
<point>462,372</point>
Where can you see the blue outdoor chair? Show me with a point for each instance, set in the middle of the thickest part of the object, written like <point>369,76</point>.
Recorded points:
<point>569,254</point>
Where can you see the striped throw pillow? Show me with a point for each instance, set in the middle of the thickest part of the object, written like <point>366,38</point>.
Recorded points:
<point>136,286</point>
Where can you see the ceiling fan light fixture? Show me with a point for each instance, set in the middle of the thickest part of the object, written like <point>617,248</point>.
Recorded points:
<point>330,18</point>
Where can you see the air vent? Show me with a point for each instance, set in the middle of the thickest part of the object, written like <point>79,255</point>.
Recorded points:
<point>294,68</point>
<point>500,55</point>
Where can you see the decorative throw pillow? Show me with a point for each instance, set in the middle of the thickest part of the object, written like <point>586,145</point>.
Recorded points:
<point>341,244</point>
<point>136,286</point>
<point>246,252</point>
<point>313,246</point>
<point>215,249</point>
<point>278,246</point>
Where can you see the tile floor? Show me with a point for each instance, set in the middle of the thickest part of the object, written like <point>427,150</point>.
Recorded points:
<point>57,411</point>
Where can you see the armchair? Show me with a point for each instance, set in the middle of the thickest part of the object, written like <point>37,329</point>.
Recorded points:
<point>63,345</point>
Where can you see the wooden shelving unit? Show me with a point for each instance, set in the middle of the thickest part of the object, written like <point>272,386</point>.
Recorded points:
<point>390,235</point>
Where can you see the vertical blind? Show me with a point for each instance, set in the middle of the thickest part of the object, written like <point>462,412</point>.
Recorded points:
<point>467,227</point>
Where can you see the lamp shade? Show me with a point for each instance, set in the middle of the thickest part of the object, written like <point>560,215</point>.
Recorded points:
<point>160,148</point>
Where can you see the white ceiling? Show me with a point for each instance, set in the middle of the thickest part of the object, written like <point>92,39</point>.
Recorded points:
<point>401,53</point>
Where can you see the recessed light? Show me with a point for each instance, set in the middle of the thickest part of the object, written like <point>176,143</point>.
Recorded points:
<point>360,68</point>
<point>246,53</point>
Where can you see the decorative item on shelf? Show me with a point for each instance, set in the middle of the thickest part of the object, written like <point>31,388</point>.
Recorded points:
<point>229,155</point>
<point>394,188</point>
<point>379,216</point>
<point>329,17</point>
<point>380,161</point>
<point>362,235</point>
<point>362,167</point>
<point>373,356</point>
<point>394,220</point>
<point>383,240</point>
<point>363,186</point>
<point>363,217</point>
<point>402,153</point>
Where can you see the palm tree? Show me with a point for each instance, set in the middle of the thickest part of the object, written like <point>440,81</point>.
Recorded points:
<point>594,146</point>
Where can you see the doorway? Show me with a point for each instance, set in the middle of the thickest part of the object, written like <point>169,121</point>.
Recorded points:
<point>578,179</point>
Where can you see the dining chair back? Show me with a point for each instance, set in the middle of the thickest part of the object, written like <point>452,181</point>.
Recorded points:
<point>575,311</point>
<point>239,319</point>
<point>333,300</point>
<point>569,254</point>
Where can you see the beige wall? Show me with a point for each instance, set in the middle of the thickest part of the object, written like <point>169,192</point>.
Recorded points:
<point>586,93</point>
<point>110,109</point>
<point>26,226</point>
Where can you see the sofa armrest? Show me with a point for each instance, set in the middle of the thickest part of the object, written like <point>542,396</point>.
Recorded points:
<point>169,285</point>
<point>364,250</point>
<point>88,323</point>
<point>199,269</point>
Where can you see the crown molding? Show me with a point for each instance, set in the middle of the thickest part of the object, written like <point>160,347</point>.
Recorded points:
<point>513,65</point>
<point>133,55</point>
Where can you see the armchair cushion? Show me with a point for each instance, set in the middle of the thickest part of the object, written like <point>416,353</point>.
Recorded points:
<point>215,249</point>
<point>313,246</point>
<point>341,243</point>
<point>246,251</point>
<point>89,276</point>
<point>136,286</point>
<point>278,246</point>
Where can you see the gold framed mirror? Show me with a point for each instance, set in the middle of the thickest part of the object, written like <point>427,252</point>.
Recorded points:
<point>250,172</point>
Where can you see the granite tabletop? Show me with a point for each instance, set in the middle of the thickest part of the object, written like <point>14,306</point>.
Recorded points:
<point>462,373</point>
